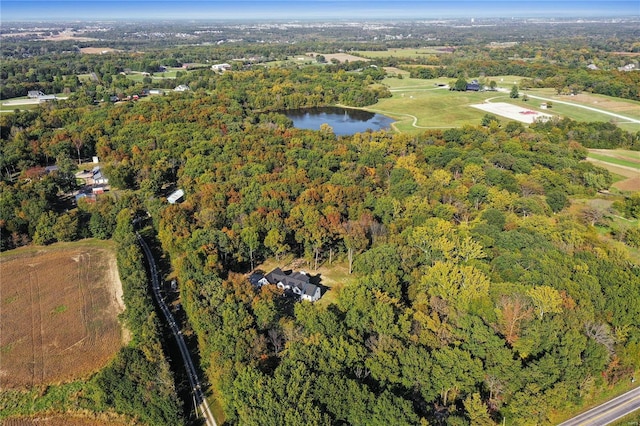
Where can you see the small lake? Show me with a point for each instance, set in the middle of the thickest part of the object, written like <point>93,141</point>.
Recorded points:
<point>344,121</point>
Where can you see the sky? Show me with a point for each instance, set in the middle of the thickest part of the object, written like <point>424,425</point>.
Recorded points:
<point>98,10</point>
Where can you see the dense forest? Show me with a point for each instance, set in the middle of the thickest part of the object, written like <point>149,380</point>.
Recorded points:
<point>479,294</point>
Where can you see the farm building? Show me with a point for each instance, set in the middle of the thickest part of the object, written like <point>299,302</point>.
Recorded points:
<point>220,67</point>
<point>34,94</point>
<point>175,196</point>
<point>182,88</point>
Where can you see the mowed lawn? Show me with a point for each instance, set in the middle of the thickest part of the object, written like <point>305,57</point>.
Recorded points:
<point>332,276</point>
<point>60,307</point>
<point>624,107</point>
<point>419,104</point>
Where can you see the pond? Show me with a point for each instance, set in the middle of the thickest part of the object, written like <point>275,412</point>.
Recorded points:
<point>344,121</point>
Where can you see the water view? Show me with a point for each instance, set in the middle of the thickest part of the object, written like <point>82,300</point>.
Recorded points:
<point>344,121</point>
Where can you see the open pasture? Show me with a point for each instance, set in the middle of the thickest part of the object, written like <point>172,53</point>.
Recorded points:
<point>60,307</point>
<point>419,104</point>
<point>593,107</point>
<point>408,52</point>
<point>621,162</point>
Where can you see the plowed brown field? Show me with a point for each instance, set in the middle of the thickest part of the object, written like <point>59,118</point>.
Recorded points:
<point>59,308</point>
<point>60,420</point>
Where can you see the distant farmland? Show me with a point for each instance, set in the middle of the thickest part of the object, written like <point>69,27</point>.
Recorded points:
<point>59,312</point>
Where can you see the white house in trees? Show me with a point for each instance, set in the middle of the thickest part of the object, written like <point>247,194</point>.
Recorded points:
<point>295,282</point>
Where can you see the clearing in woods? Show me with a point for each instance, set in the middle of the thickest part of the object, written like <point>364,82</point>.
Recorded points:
<point>60,307</point>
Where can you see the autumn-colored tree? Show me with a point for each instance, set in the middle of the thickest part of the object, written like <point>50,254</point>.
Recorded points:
<point>511,312</point>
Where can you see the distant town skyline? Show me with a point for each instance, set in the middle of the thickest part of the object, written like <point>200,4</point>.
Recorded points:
<point>100,10</point>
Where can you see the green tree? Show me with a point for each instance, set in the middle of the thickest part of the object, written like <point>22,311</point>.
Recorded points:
<point>66,227</point>
<point>545,300</point>
<point>250,237</point>
<point>477,411</point>
<point>557,200</point>
<point>45,229</point>
<point>460,85</point>
<point>514,94</point>
<point>275,241</point>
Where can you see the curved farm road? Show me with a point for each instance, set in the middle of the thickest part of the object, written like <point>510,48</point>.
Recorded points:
<point>413,117</point>
<point>611,114</point>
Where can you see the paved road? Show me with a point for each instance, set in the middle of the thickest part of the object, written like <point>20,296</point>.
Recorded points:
<point>194,381</point>
<point>609,411</point>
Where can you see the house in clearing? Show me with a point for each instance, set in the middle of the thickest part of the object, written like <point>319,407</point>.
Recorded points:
<point>220,67</point>
<point>182,88</point>
<point>473,86</point>
<point>34,94</point>
<point>296,283</point>
<point>98,178</point>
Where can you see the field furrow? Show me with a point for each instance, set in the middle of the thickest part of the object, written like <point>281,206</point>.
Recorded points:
<point>58,319</point>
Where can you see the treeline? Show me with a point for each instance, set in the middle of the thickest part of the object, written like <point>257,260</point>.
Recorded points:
<point>138,382</point>
<point>564,80</point>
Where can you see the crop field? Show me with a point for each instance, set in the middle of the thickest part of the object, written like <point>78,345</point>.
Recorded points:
<point>620,162</point>
<point>59,312</point>
<point>60,420</point>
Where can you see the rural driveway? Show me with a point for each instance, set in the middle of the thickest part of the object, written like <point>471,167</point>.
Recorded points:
<point>609,411</point>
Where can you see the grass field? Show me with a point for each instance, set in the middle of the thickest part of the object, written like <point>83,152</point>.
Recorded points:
<point>624,107</point>
<point>59,312</point>
<point>409,52</point>
<point>419,104</point>
<point>620,162</point>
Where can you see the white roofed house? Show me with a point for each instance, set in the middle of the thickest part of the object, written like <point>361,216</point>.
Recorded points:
<point>182,88</point>
<point>34,94</point>
<point>175,196</point>
<point>220,67</point>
